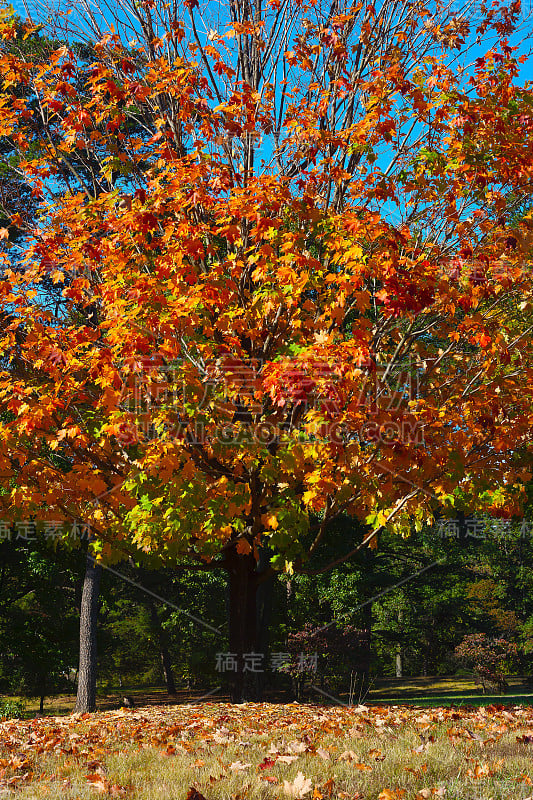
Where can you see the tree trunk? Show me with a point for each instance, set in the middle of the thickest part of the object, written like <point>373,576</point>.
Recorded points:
<point>86,696</point>
<point>162,643</point>
<point>290,593</point>
<point>399,671</point>
<point>264,598</point>
<point>42,692</point>
<point>243,639</point>
<point>367,652</point>
<point>399,665</point>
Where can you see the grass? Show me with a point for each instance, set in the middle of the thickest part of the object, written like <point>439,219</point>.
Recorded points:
<point>61,704</point>
<point>248,751</point>
<point>431,691</point>
<point>448,691</point>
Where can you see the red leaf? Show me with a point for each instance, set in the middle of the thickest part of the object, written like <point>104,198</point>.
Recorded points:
<point>194,794</point>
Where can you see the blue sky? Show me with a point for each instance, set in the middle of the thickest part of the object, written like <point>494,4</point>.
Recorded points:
<point>211,8</point>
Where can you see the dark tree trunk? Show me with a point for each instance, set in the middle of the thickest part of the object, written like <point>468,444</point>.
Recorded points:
<point>264,597</point>
<point>162,643</point>
<point>42,692</point>
<point>243,639</point>
<point>370,568</point>
<point>86,696</point>
<point>367,652</point>
<point>399,653</point>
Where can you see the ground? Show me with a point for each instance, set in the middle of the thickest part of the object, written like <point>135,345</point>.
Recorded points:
<point>220,751</point>
<point>423,691</point>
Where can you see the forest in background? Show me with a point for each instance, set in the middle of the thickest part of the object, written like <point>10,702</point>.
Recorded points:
<point>478,582</point>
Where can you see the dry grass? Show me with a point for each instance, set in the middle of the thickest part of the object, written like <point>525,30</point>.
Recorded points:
<point>234,752</point>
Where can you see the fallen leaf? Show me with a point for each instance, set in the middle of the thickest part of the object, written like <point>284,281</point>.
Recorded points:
<point>299,787</point>
<point>98,782</point>
<point>328,788</point>
<point>348,755</point>
<point>297,747</point>
<point>194,794</point>
<point>239,765</point>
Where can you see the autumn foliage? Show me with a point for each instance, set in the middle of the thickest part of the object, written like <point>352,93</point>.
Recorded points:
<point>268,284</point>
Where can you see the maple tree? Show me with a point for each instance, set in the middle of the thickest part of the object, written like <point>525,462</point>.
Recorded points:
<point>290,288</point>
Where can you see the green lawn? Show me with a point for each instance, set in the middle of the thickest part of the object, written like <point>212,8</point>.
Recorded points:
<point>447,691</point>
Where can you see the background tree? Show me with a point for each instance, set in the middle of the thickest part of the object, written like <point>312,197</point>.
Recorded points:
<point>39,593</point>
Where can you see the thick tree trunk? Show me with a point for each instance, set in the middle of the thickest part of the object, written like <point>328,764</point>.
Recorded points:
<point>162,643</point>
<point>86,696</point>
<point>264,598</point>
<point>243,639</point>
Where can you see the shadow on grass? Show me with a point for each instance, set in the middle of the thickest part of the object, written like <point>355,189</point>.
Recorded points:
<point>430,692</point>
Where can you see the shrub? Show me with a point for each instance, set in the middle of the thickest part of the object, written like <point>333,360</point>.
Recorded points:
<point>490,658</point>
<point>10,709</point>
<point>325,655</point>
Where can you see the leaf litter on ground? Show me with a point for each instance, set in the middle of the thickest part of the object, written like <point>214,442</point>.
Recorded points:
<point>298,751</point>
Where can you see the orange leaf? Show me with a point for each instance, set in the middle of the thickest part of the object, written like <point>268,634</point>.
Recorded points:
<point>270,521</point>
<point>243,547</point>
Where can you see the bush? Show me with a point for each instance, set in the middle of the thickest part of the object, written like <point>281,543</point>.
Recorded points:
<point>11,709</point>
<point>327,655</point>
<point>490,658</point>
